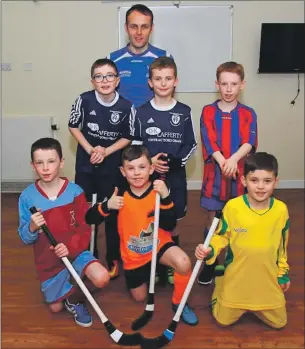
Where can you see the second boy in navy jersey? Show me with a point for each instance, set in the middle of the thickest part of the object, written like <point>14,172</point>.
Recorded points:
<point>102,122</point>
<point>166,129</point>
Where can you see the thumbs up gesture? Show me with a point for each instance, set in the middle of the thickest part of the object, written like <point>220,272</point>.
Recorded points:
<point>115,202</point>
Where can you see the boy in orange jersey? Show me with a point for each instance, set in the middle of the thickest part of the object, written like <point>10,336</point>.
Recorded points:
<point>136,205</point>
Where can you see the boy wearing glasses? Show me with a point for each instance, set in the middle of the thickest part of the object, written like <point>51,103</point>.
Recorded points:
<point>102,122</point>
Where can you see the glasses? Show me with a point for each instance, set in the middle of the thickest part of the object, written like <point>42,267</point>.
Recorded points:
<point>101,77</point>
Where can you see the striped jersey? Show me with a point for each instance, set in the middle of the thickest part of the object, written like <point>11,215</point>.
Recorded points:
<point>101,124</point>
<point>133,70</point>
<point>65,218</point>
<point>256,261</point>
<point>225,132</point>
<point>167,130</point>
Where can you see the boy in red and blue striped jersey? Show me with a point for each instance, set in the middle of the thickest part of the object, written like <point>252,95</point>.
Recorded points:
<point>228,134</point>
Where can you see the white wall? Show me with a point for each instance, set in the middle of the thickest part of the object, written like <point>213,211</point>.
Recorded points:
<point>63,38</point>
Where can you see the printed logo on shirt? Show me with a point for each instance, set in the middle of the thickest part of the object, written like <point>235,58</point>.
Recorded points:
<point>143,243</point>
<point>252,131</point>
<point>92,112</point>
<point>72,220</point>
<point>240,230</point>
<point>115,117</point>
<point>163,137</point>
<point>153,131</point>
<point>93,126</point>
<point>225,117</point>
<point>175,121</point>
<point>150,121</point>
<point>125,73</point>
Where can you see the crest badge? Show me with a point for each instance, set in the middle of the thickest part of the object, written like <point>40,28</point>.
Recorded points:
<point>115,117</point>
<point>175,120</point>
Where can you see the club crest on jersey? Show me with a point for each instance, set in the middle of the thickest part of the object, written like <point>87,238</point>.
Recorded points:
<point>115,117</point>
<point>175,120</point>
<point>72,220</point>
<point>93,126</point>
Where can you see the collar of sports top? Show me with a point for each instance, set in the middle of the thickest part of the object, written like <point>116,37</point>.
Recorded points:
<point>143,195</point>
<point>115,99</point>
<point>163,108</point>
<point>259,212</point>
<point>138,54</point>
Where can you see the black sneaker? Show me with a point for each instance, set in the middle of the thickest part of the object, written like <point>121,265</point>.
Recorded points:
<point>206,276</point>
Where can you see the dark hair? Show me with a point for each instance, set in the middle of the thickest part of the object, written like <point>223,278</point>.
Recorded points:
<point>231,67</point>
<point>134,152</point>
<point>46,144</point>
<point>161,63</point>
<point>261,161</point>
<point>144,10</point>
<point>101,62</point>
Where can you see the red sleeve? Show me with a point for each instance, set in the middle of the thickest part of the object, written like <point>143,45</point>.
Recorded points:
<point>208,132</point>
<point>80,240</point>
<point>248,129</point>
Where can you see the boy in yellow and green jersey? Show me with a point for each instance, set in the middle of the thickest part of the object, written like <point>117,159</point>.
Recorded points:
<point>255,228</point>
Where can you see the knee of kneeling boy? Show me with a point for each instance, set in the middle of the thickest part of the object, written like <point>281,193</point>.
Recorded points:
<point>139,297</point>
<point>102,281</point>
<point>183,265</point>
<point>56,307</point>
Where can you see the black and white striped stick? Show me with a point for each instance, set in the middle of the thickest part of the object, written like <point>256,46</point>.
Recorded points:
<point>168,335</point>
<point>118,336</point>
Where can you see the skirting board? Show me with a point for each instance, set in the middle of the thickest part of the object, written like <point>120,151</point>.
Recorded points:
<point>284,184</point>
<point>18,187</point>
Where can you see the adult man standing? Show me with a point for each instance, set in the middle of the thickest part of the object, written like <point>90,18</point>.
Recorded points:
<point>134,59</point>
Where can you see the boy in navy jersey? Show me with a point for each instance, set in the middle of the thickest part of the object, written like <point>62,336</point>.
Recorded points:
<point>166,129</point>
<point>102,122</point>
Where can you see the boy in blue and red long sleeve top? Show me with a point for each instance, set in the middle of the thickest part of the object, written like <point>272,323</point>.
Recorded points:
<point>228,133</point>
<point>62,207</point>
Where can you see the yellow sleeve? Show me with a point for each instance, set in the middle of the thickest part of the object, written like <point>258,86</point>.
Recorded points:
<point>220,238</point>
<point>283,267</point>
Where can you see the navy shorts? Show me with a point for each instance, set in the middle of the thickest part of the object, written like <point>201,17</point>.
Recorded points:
<point>102,184</point>
<point>176,181</point>
<point>139,276</point>
<point>212,204</point>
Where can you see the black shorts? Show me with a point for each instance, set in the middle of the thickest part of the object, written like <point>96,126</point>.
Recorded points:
<point>176,181</point>
<point>101,184</point>
<point>139,276</point>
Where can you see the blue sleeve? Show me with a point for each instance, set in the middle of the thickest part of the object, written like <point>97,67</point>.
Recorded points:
<point>76,114</point>
<point>24,222</point>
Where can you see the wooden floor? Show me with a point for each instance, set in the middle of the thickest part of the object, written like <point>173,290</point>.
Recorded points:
<point>27,323</point>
